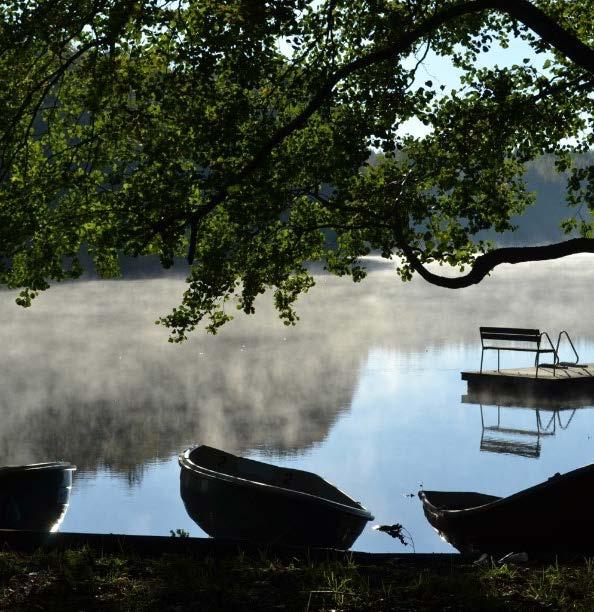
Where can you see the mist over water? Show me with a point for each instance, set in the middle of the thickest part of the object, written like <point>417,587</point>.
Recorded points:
<point>365,391</point>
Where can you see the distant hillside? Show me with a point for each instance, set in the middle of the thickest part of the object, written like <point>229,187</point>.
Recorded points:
<point>540,222</point>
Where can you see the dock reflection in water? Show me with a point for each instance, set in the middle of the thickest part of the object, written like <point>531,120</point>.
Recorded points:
<point>551,517</point>
<point>505,429</point>
<point>35,497</point>
<point>365,390</point>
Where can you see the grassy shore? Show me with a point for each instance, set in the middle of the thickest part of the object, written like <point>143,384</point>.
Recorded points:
<point>86,580</point>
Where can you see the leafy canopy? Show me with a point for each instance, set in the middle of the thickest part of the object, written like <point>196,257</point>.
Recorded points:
<point>238,133</point>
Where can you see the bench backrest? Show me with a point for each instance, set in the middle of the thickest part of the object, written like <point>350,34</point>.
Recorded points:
<point>511,334</point>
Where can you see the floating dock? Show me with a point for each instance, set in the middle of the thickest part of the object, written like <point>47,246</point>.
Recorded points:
<point>568,381</point>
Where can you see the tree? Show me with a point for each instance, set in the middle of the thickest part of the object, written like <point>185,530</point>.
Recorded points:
<point>238,133</point>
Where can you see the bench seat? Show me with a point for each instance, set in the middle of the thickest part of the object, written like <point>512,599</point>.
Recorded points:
<point>506,337</point>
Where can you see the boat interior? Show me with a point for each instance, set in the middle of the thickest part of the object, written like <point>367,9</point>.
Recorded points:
<point>445,500</point>
<point>256,471</point>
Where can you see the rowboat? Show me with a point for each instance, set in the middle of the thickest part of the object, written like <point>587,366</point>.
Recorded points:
<point>35,496</point>
<point>241,499</point>
<point>554,516</point>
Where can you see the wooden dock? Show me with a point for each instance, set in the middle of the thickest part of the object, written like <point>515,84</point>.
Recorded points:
<point>555,383</point>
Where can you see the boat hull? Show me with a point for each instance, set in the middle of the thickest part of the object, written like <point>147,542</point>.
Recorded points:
<point>34,497</point>
<point>552,517</point>
<point>243,510</point>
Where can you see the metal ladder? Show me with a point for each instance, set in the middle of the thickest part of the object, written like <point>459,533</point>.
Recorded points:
<point>566,364</point>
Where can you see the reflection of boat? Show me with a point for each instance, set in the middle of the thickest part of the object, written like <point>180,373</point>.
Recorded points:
<point>236,498</point>
<point>553,516</point>
<point>36,496</point>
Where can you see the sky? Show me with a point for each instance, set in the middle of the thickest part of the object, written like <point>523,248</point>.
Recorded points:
<point>440,70</point>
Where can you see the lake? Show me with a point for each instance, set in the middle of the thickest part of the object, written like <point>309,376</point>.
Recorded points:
<point>364,391</point>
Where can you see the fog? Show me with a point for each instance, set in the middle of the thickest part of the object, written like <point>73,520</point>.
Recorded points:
<point>87,376</point>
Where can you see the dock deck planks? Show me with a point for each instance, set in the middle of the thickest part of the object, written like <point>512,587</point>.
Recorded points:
<point>576,380</point>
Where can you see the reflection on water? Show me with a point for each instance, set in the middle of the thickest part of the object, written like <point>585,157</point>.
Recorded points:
<point>365,390</point>
<point>516,424</point>
<point>524,442</point>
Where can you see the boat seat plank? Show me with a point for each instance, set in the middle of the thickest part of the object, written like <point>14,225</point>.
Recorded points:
<point>454,500</point>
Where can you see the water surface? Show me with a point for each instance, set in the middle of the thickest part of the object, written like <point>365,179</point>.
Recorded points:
<point>365,391</point>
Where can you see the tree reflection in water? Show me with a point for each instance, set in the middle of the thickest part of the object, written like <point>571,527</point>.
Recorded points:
<point>86,376</point>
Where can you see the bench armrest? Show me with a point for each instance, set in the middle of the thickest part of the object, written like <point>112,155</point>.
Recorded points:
<point>554,350</point>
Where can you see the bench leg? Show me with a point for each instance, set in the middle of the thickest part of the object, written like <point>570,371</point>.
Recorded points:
<point>498,360</point>
<point>482,355</point>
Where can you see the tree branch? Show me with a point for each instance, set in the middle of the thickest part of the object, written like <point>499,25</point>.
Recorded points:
<point>522,10</point>
<point>484,264</point>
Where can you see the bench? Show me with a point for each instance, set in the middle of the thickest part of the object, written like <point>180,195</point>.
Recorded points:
<point>506,339</point>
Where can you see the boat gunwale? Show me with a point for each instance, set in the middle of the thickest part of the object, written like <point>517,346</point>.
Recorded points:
<point>31,467</point>
<point>185,462</point>
<point>502,501</point>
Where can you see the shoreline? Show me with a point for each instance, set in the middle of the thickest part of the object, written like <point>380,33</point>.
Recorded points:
<point>86,577</point>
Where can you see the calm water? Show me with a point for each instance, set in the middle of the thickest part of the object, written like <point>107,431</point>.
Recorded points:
<point>365,391</point>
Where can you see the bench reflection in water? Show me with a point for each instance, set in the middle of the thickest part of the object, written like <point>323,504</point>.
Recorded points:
<point>504,426</point>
